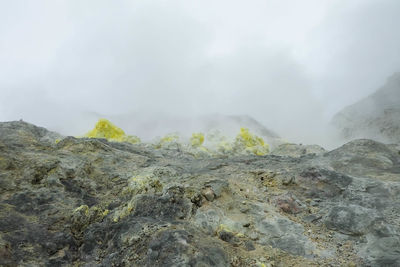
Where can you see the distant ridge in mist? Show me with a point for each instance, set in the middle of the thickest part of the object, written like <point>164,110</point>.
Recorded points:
<point>376,116</point>
<point>148,127</point>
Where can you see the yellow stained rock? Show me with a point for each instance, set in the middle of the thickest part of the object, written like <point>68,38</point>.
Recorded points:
<point>105,129</point>
<point>197,139</point>
<point>251,143</point>
<point>167,140</point>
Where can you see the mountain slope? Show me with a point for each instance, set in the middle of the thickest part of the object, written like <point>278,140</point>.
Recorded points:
<point>161,124</point>
<point>376,116</point>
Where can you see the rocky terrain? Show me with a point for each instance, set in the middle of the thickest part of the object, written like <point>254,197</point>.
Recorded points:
<point>67,201</point>
<point>376,116</point>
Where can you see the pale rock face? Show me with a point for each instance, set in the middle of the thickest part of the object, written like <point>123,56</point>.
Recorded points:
<point>68,201</point>
<point>375,117</point>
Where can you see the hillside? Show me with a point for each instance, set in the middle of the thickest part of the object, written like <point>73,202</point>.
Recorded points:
<point>67,201</point>
<point>376,116</point>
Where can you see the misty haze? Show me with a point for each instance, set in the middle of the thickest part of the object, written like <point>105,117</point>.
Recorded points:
<point>200,133</point>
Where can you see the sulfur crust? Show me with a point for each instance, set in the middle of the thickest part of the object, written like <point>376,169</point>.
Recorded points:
<point>105,129</point>
<point>251,143</point>
<point>197,139</point>
<point>245,141</point>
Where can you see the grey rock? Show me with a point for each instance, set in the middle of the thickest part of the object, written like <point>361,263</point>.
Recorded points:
<point>187,252</point>
<point>286,235</point>
<point>171,205</point>
<point>91,202</point>
<point>365,158</point>
<point>383,251</point>
<point>208,193</point>
<point>295,150</point>
<point>209,219</point>
<point>352,219</point>
<point>218,186</point>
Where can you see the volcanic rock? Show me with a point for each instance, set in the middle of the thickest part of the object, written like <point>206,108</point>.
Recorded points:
<point>69,201</point>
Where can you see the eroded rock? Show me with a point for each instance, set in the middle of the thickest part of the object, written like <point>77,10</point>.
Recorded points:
<point>95,202</point>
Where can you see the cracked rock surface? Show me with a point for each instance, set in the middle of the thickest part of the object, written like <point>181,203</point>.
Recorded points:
<point>68,201</point>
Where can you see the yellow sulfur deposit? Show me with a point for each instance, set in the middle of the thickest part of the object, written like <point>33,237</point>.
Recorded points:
<point>144,183</point>
<point>251,143</point>
<point>120,214</point>
<point>83,216</point>
<point>167,140</point>
<point>197,139</point>
<point>170,138</point>
<point>105,129</point>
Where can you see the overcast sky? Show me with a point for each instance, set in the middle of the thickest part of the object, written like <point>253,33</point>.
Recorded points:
<point>290,64</point>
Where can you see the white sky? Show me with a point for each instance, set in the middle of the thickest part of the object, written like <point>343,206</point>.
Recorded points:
<point>290,64</point>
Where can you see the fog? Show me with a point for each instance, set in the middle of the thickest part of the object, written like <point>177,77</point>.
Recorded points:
<point>291,65</point>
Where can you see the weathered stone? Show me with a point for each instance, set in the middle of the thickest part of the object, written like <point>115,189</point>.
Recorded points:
<point>352,219</point>
<point>208,193</point>
<point>91,202</point>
